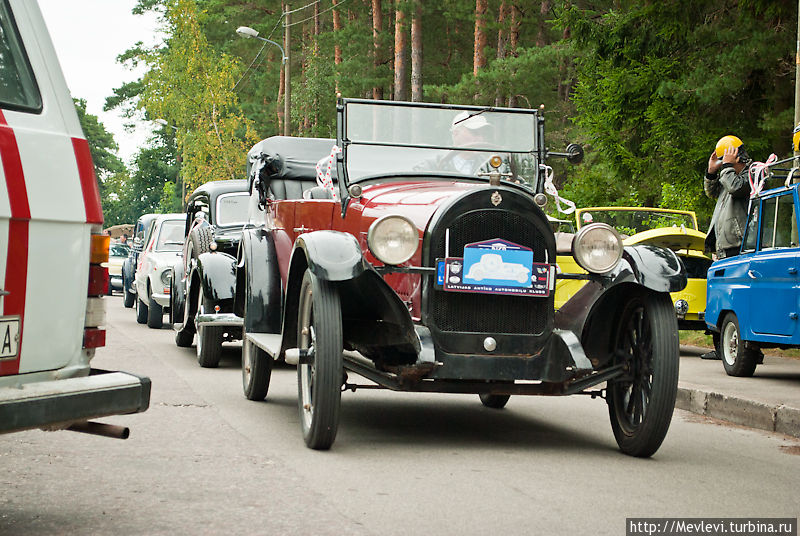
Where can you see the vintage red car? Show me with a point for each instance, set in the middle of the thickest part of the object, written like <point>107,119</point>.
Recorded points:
<point>366,269</point>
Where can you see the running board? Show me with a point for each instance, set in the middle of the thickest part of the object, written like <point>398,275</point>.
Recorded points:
<point>269,342</point>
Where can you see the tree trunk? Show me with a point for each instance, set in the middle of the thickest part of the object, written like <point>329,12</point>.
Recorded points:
<point>416,53</point>
<point>377,28</point>
<point>502,42</point>
<point>541,32</point>
<point>481,6</point>
<point>337,26</point>
<point>400,63</point>
<point>513,42</point>
<point>281,92</point>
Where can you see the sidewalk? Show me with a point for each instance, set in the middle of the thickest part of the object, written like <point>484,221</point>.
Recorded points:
<point>770,400</point>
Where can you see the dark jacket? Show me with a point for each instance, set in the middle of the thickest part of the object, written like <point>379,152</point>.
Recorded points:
<point>732,192</point>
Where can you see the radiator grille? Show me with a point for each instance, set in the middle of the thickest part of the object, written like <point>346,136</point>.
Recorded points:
<point>490,313</point>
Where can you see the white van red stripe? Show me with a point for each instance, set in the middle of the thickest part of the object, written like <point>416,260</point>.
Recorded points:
<point>16,280</point>
<point>91,191</point>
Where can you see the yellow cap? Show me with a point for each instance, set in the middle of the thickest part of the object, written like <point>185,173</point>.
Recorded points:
<point>725,142</point>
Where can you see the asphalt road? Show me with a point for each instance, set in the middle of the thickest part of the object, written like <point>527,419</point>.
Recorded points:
<point>204,460</point>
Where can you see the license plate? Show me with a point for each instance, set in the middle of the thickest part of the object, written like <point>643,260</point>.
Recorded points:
<point>495,267</point>
<point>9,337</point>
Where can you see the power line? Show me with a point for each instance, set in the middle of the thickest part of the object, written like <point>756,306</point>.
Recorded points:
<point>302,8</point>
<point>320,13</point>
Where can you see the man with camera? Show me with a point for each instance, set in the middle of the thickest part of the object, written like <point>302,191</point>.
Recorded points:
<point>726,181</point>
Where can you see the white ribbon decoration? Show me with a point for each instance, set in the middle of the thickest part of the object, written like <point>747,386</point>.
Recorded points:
<point>758,173</point>
<point>324,177</point>
<point>550,188</point>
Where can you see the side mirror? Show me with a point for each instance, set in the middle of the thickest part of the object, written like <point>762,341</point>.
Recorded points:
<point>574,154</point>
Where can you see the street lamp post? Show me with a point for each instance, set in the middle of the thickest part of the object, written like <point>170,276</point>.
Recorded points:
<point>246,31</point>
<point>177,159</point>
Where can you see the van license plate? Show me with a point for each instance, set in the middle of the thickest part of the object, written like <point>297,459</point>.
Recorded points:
<point>9,337</point>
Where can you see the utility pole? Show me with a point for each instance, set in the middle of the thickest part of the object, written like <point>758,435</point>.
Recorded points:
<point>287,102</point>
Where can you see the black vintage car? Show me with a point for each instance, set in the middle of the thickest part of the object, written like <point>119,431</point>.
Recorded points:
<point>203,288</point>
<point>430,266</point>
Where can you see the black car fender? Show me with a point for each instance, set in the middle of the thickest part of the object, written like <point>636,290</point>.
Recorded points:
<point>593,310</point>
<point>217,273</point>
<point>373,315</point>
<point>258,283</point>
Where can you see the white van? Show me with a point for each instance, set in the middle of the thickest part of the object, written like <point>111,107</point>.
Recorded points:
<point>51,248</point>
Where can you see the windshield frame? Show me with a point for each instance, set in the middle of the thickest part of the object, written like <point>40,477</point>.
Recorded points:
<point>688,213</point>
<point>537,152</point>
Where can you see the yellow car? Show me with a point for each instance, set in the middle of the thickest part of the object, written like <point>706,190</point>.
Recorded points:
<point>673,229</point>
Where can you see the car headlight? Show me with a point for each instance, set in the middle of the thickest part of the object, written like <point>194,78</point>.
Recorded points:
<point>166,277</point>
<point>597,248</point>
<point>393,239</point>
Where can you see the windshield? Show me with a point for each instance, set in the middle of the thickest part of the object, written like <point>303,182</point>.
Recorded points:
<point>232,209</point>
<point>170,236</point>
<point>118,250</point>
<point>384,139</point>
<point>632,221</point>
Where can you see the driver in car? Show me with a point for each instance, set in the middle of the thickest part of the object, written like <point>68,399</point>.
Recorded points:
<point>468,132</point>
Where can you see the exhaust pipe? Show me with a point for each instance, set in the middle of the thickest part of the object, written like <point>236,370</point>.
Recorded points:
<point>101,429</point>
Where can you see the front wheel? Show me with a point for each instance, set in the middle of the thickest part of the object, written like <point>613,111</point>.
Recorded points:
<point>155,314</point>
<point>128,297</point>
<point>737,359</point>
<point>141,311</point>
<point>209,345</point>
<point>641,402</point>
<point>319,382</point>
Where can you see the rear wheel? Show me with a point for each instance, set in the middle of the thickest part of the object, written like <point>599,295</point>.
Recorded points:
<point>184,338</point>
<point>141,311</point>
<point>641,402</point>
<point>209,341</point>
<point>737,359</point>
<point>319,332</point>
<point>155,314</point>
<point>494,401</point>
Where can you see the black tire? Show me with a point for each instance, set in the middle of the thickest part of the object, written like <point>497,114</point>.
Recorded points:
<point>319,324</point>
<point>155,314</point>
<point>129,298</point>
<point>737,359</point>
<point>141,311</point>
<point>209,345</point>
<point>494,401</point>
<point>640,404</point>
<point>256,370</point>
<point>209,340</point>
<point>201,238</point>
<point>184,338</point>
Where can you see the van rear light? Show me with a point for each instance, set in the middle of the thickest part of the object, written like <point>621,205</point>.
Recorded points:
<point>98,280</point>
<point>99,249</point>
<point>93,337</point>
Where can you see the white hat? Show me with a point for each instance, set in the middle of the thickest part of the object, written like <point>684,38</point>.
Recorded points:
<point>473,122</point>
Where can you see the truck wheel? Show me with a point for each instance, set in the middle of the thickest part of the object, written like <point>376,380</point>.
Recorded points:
<point>640,403</point>
<point>155,314</point>
<point>319,383</point>
<point>141,311</point>
<point>256,370</point>
<point>737,359</point>
<point>494,401</point>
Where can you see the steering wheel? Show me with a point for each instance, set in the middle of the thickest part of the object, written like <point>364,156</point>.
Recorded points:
<point>447,163</point>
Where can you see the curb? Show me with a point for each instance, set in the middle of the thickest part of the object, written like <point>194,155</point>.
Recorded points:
<point>782,419</point>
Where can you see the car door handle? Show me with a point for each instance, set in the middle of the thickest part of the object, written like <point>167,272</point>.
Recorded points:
<point>792,270</point>
<point>753,274</point>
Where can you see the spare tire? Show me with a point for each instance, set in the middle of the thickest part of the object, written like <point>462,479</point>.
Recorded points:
<point>201,238</point>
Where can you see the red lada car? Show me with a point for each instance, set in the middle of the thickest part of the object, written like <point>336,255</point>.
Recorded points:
<point>417,255</point>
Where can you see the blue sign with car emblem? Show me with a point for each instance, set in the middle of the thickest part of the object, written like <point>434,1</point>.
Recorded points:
<point>495,267</point>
